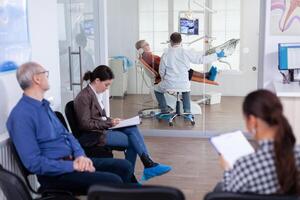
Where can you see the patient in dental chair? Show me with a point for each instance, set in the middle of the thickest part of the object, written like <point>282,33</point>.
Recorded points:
<point>153,61</point>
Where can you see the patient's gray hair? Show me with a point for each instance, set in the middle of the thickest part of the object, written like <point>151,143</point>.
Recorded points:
<point>139,44</point>
<point>25,74</point>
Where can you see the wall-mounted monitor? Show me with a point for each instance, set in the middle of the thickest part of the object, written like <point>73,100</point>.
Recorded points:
<point>288,56</point>
<point>88,27</point>
<point>188,26</point>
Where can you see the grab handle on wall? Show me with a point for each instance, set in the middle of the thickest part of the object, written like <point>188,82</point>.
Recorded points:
<point>79,53</point>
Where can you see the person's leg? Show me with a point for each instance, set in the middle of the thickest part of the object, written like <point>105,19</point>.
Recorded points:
<point>152,168</point>
<point>78,182</point>
<point>160,97</point>
<point>116,138</point>
<point>191,72</point>
<point>198,75</point>
<point>210,75</point>
<point>120,167</point>
<point>135,137</point>
<point>136,144</point>
<point>186,102</point>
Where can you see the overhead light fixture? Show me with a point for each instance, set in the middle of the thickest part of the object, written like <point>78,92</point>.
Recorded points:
<point>202,5</point>
<point>189,15</point>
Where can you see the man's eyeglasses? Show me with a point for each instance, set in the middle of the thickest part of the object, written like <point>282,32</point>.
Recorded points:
<point>44,72</point>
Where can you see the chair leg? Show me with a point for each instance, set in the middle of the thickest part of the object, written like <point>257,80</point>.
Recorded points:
<point>178,107</point>
<point>178,104</point>
<point>171,123</point>
<point>172,118</point>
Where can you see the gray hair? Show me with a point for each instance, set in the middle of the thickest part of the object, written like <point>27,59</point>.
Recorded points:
<point>25,74</point>
<point>139,44</point>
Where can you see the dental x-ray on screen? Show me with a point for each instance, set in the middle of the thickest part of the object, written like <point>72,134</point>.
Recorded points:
<point>189,26</point>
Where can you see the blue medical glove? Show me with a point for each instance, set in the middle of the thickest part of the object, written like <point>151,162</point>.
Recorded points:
<point>221,54</point>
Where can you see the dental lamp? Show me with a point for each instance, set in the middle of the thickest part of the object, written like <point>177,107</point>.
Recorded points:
<point>204,7</point>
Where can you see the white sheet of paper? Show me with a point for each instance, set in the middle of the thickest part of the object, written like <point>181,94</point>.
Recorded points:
<point>128,122</point>
<point>232,146</point>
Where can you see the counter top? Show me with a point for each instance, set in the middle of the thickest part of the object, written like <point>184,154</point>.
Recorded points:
<point>287,90</point>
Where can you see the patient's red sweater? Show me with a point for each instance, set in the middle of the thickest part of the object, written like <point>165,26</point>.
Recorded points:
<point>153,61</point>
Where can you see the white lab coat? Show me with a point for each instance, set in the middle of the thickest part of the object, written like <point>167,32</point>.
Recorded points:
<point>174,67</point>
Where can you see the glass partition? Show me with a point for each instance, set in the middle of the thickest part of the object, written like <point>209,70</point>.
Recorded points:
<point>76,44</point>
<point>207,26</point>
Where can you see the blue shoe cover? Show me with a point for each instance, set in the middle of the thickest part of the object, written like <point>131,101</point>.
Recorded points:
<point>164,116</point>
<point>212,68</point>
<point>158,170</point>
<point>213,73</point>
<point>188,117</point>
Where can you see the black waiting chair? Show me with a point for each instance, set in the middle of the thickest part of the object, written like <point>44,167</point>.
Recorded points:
<point>240,196</point>
<point>44,192</point>
<point>95,151</point>
<point>61,118</point>
<point>14,188</point>
<point>131,192</point>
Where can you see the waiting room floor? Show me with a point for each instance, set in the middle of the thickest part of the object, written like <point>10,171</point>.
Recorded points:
<point>223,117</point>
<point>196,168</point>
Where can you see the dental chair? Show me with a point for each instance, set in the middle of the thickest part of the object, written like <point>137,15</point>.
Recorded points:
<point>149,72</point>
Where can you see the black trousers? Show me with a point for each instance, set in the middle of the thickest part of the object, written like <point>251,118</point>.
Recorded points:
<point>108,171</point>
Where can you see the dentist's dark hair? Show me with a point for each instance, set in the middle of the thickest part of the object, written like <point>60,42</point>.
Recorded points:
<point>266,106</point>
<point>175,38</point>
<point>102,72</point>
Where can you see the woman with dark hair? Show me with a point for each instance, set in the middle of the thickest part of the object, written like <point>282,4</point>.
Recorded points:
<point>91,117</point>
<point>274,166</point>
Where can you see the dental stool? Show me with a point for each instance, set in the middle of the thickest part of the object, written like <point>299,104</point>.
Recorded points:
<point>170,117</point>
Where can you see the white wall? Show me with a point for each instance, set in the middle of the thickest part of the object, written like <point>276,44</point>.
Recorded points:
<point>44,44</point>
<point>270,58</point>
<point>122,24</point>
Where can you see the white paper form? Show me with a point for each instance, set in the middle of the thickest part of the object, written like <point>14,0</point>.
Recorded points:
<point>128,122</point>
<point>232,146</point>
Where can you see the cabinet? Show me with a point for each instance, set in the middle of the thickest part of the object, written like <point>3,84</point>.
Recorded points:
<point>119,85</point>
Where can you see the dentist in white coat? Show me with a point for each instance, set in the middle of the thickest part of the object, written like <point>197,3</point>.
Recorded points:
<point>173,70</point>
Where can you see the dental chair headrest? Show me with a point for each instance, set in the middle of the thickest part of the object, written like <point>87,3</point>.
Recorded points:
<point>140,52</point>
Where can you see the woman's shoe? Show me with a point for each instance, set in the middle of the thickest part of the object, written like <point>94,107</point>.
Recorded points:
<point>157,170</point>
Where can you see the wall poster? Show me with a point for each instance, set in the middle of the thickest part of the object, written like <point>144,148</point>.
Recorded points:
<point>285,17</point>
<point>14,36</point>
